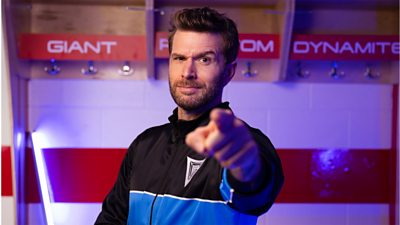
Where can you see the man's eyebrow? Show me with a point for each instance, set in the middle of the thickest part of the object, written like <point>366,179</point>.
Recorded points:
<point>206,53</point>
<point>177,55</point>
<point>199,55</point>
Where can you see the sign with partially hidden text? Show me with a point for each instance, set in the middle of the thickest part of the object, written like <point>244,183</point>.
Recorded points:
<point>345,47</point>
<point>252,46</point>
<point>82,47</point>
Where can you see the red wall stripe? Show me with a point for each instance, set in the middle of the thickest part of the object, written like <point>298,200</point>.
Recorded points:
<point>31,181</point>
<point>311,176</point>
<point>76,175</point>
<point>335,176</point>
<point>82,175</point>
<point>6,172</point>
<point>393,156</point>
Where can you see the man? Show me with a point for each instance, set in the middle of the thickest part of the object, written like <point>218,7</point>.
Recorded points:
<point>206,166</point>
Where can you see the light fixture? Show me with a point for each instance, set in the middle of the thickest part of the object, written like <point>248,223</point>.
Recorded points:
<point>126,69</point>
<point>37,142</point>
<point>90,70</point>
<point>54,69</point>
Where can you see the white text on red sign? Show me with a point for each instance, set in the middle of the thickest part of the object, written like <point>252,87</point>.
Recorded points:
<point>62,46</point>
<point>305,47</point>
<point>345,47</point>
<point>246,45</point>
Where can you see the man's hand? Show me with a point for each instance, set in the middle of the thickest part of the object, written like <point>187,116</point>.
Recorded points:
<point>228,140</point>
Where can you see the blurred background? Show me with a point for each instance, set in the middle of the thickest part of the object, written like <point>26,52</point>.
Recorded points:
<point>81,79</point>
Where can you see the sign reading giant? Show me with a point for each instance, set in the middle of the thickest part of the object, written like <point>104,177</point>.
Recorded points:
<point>81,47</point>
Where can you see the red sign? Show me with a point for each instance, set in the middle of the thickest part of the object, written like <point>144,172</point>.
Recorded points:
<point>161,50</point>
<point>252,46</point>
<point>259,46</point>
<point>82,47</point>
<point>345,47</point>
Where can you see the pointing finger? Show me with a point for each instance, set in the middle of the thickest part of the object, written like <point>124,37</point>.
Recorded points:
<point>197,138</point>
<point>223,119</point>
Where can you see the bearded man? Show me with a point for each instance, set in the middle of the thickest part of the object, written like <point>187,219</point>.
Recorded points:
<point>205,166</point>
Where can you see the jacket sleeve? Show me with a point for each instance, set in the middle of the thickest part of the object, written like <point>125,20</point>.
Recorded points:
<point>255,198</point>
<point>116,204</point>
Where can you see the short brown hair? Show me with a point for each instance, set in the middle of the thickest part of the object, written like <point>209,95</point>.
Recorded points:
<point>207,20</point>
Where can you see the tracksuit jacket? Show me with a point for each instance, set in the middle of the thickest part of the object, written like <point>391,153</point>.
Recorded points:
<point>163,181</point>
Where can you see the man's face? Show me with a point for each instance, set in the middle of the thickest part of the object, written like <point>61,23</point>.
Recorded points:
<point>197,72</point>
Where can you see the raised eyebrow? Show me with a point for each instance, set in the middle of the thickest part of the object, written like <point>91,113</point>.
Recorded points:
<point>174,55</point>
<point>203,54</point>
<point>200,55</point>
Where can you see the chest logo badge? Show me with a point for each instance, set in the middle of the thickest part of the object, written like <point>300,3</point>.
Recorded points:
<point>192,166</point>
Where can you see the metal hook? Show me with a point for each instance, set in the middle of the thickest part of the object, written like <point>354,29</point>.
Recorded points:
<point>91,70</point>
<point>301,72</point>
<point>54,69</point>
<point>248,72</point>
<point>126,69</point>
<point>368,73</point>
<point>162,12</point>
<point>334,73</point>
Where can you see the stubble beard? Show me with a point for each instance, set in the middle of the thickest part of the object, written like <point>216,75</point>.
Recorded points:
<point>198,101</point>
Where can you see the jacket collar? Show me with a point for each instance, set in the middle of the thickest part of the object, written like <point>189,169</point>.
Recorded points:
<point>181,127</point>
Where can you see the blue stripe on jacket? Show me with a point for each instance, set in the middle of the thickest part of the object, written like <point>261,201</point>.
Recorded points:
<point>169,209</point>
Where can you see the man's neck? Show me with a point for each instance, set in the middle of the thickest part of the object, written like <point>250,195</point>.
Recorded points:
<point>194,114</point>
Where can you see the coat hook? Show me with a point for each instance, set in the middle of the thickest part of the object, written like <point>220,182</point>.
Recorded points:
<point>126,69</point>
<point>301,72</point>
<point>248,72</point>
<point>91,70</point>
<point>162,12</point>
<point>54,69</point>
<point>334,73</point>
<point>370,75</point>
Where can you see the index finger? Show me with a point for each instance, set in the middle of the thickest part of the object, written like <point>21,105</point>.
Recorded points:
<point>223,118</point>
<point>196,139</point>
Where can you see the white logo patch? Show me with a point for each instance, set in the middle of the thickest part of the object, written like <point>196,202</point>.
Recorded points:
<point>192,166</point>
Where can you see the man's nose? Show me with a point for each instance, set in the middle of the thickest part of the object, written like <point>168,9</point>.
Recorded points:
<point>189,69</point>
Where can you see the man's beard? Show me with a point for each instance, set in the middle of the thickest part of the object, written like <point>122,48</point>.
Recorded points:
<point>200,100</point>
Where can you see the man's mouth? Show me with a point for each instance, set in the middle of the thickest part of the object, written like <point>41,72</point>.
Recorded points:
<point>188,90</point>
<point>187,87</point>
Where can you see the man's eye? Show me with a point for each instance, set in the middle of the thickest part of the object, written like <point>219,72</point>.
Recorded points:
<point>178,58</point>
<point>205,60</point>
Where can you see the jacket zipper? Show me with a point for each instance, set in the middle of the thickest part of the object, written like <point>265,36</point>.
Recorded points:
<point>163,182</point>
<point>151,209</point>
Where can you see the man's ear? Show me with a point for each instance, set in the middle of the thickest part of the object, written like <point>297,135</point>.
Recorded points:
<point>230,70</point>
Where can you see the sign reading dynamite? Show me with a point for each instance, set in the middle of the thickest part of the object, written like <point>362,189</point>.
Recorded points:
<point>345,47</point>
<point>81,47</point>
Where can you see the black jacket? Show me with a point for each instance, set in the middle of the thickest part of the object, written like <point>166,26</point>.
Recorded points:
<point>163,181</point>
